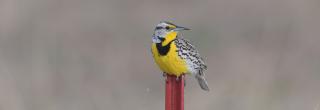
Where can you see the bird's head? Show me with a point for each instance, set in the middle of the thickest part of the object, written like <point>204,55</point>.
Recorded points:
<point>166,32</point>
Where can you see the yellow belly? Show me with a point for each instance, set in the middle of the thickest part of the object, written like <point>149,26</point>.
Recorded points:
<point>170,63</point>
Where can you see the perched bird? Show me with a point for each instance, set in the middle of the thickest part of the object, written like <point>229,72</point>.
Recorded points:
<point>175,55</point>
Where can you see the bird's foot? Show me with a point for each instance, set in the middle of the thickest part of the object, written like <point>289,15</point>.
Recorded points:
<point>164,76</point>
<point>177,78</point>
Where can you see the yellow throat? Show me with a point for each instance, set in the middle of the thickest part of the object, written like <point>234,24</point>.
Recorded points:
<point>167,58</point>
<point>169,37</point>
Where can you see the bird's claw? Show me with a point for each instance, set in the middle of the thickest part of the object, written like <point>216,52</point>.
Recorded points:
<point>164,76</point>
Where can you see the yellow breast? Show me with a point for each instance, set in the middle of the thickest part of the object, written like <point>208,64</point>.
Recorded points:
<point>170,63</point>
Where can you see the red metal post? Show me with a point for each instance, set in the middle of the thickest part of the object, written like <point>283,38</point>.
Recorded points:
<point>174,93</point>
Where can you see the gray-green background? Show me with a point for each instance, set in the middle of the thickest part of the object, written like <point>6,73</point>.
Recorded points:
<point>95,54</point>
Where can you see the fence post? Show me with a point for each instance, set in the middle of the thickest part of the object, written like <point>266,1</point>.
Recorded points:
<point>174,93</point>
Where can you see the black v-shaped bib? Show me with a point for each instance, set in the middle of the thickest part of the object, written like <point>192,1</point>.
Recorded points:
<point>163,50</point>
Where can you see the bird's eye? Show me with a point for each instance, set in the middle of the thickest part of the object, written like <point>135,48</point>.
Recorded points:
<point>167,27</point>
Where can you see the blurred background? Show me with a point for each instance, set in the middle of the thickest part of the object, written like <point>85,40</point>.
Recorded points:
<point>95,54</point>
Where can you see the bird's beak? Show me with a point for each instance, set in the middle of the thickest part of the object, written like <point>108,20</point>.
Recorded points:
<point>179,28</point>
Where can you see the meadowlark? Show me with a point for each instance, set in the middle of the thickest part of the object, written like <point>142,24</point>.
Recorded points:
<point>175,55</point>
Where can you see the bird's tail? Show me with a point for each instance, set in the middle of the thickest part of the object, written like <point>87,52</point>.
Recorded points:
<point>202,81</point>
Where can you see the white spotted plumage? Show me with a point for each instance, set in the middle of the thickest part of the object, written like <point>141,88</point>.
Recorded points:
<point>195,62</point>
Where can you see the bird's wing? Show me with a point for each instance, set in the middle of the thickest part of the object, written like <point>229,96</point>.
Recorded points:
<point>196,64</point>
<point>189,52</point>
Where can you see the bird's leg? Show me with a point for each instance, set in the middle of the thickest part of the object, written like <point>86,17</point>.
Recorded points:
<point>184,82</point>
<point>164,76</point>
<point>177,78</point>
